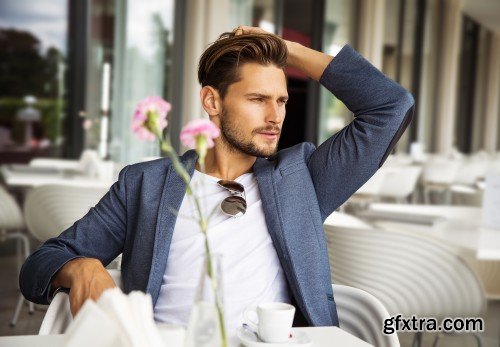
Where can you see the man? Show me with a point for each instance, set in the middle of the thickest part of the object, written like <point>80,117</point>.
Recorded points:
<point>276,251</point>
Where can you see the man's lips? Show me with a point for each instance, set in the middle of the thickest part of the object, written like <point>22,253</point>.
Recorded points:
<point>269,134</point>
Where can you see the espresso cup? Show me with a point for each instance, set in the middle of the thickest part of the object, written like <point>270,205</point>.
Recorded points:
<point>275,321</point>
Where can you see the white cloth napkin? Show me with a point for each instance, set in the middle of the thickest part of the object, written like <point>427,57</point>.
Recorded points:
<point>116,319</point>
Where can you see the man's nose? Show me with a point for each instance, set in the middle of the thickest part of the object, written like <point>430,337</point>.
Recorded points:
<point>275,113</point>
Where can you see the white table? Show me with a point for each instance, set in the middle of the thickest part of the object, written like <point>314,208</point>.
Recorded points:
<point>461,227</point>
<point>321,336</point>
<point>30,177</point>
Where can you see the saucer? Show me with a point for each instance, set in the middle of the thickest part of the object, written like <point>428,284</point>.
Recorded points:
<point>248,339</point>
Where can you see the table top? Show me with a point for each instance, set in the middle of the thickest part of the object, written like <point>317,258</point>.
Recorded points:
<point>461,227</point>
<point>321,337</point>
<point>29,177</point>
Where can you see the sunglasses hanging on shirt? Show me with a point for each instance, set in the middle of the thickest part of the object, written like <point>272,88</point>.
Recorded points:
<point>236,204</point>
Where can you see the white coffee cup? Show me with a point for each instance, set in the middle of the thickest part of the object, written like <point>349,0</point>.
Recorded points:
<point>275,321</point>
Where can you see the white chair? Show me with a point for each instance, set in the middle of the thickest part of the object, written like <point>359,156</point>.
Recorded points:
<point>367,193</point>
<point>363,315</point>
<point>470,171</point>
<point>409,274</point>
<point>399,183</point>
<point>438,175</point>
<point>464,195</point>
<point>58,316</point>
<point>50,209</point>
<point>11,227</point>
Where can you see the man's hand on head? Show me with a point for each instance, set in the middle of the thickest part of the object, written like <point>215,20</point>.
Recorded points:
<point>242,30</point>
<point>86,278</point>
<point>310,62</point>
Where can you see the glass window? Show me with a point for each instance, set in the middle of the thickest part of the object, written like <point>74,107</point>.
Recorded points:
<point>32,63</point>
<point>100,51</point>
<point>339,29</point>
<point>141,66</point>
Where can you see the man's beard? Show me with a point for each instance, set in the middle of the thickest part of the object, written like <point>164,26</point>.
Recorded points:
<point>233,138</point>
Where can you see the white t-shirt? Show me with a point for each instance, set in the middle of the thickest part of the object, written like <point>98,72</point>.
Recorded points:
<point>251,271</point>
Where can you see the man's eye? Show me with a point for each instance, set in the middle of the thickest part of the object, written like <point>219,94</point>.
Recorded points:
<point>258,99</point>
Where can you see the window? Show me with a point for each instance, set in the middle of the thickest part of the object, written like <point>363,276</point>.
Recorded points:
<point>141,66</point>
<point>32,89</point>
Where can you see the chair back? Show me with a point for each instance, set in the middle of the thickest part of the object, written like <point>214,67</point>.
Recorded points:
<point>408,273</point>
<point>441,170</point>
<point>400,182</point>
<point>363,315</point>
<point>58,316</point>
<point>50,209</point>
<point>471,171</point>
<point>11,216</point>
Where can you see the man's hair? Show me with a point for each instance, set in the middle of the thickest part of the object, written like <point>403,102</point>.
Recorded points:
<point>219,64</point>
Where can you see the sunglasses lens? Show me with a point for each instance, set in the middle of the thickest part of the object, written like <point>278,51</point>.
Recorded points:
<point>232,186</point>
<point>234,206</point>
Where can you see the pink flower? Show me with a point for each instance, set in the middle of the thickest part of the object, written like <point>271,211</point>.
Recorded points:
<point>196,128</point>
<point>150,118</point>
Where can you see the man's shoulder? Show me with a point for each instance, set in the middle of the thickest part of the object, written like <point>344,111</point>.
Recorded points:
<point>153,168</point>
<point>299,153</point>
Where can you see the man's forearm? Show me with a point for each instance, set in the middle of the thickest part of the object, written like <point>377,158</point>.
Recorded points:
<point>310,62</point>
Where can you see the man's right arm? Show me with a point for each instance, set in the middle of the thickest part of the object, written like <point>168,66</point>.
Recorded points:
<point>77,257</point>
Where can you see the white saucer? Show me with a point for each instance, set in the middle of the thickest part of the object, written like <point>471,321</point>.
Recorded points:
<point>250,340</point>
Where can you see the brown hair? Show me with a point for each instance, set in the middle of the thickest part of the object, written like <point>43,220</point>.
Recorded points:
<point>219,64</point>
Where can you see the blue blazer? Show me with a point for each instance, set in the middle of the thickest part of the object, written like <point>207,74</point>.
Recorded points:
<point>299,187</point>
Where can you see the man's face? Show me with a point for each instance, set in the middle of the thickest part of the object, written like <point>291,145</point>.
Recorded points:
<point>253,110</point>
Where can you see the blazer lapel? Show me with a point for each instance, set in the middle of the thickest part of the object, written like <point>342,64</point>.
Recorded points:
<point>173,193</point>
<point>263,170</point>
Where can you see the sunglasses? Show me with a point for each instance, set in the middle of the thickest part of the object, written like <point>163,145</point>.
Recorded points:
<point>236,204</point>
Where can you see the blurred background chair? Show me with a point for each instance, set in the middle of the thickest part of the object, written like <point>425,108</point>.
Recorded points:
<point>361,314</point>
<point>409,274</point>
<point>438,175</point>
<point>400,183</point>
<point>51,209</point>
<point>11,227</point>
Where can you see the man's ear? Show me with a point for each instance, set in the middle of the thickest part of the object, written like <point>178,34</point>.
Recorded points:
<point>211,101</point>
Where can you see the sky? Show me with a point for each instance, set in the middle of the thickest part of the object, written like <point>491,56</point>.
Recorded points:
<point>45,19</point>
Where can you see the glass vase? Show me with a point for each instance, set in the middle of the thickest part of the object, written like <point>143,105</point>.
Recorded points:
<point>206,322</point>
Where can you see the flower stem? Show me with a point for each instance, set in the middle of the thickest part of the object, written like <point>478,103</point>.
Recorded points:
<point>216,291</point>
<point>181,171</point>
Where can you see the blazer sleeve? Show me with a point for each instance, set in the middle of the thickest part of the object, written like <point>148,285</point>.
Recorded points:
<point>382,111</point>
<point>99,234</point>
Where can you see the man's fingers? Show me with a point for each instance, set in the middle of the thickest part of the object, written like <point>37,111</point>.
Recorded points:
<point>75,306</point>
<point>238,31</point>
<point>242,29</point>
